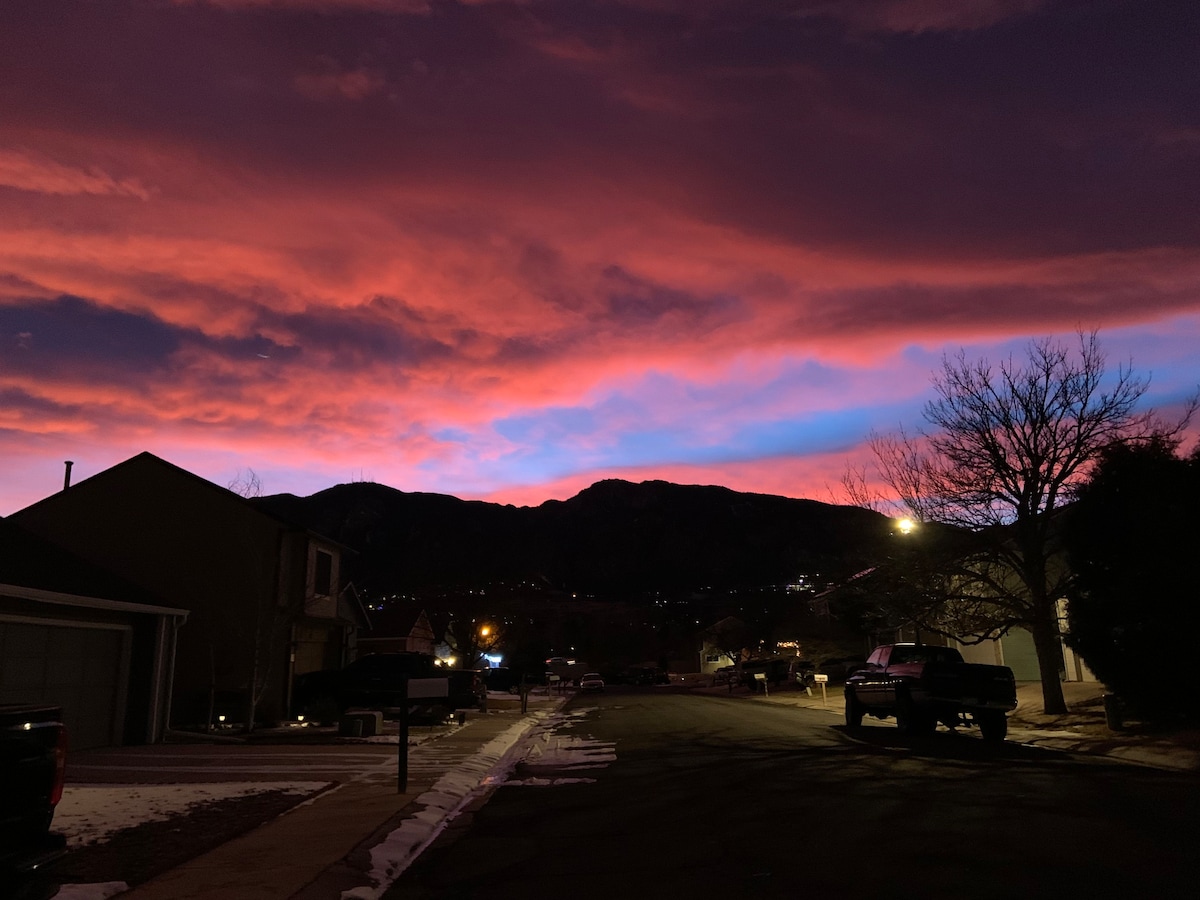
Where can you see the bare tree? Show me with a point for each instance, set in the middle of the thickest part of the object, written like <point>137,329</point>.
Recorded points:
<point>246,483</point>
<point>472,639</point>
<point>1005,448</point>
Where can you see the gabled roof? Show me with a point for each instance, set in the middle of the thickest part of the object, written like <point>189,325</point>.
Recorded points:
<point>401,620</point>
<point>28,561</point>
<point>146,458</point>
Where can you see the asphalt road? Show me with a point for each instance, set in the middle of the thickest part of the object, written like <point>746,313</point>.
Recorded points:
<point>711,797</point>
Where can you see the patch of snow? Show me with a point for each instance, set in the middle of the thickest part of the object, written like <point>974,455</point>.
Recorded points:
<point>570,752</point>
<point>92,813</point>
<point>101,890</point>
<point>548,782</point>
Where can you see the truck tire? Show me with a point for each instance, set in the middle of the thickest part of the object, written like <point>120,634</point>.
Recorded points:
<point>993,725</point>
<point>911,720</point>
<point>854,710</point>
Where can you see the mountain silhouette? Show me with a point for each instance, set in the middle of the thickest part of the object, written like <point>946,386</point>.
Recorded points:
<point>615,536</point>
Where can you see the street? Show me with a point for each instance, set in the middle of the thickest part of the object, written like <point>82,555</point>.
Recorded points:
<point>675,795</point>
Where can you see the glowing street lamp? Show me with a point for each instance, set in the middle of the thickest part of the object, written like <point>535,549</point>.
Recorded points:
<point>905,525</point>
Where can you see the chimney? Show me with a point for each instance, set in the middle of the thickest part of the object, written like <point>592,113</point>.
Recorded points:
<point>67,475</point>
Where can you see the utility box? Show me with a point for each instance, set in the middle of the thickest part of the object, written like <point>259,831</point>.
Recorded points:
<point>361,724</point>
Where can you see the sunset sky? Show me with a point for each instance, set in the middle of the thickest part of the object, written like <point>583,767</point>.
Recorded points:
<point>502,249</point>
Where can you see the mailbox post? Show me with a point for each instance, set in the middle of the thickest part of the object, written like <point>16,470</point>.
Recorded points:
<point>822,680</point>
<point>414,689</point>
<point>760,679</point>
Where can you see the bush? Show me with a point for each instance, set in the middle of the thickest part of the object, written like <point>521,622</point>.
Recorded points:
<point>1131,538</point>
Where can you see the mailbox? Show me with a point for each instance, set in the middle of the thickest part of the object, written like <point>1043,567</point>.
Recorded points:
<point>428,688</point>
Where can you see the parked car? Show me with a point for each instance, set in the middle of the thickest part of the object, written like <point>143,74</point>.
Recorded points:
<point>774,670</point>
<point>591,682</point>
<point>377,681</point>
<point>838,667</point>
<point>725,675</point>
<point>922,685</point>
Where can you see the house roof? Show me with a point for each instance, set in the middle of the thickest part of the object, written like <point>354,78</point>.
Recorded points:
<point>400,620</point>
<point>29,561</point>
<point>146,458</point>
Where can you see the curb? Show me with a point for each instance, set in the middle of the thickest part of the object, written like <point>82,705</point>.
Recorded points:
<point>421,822</point>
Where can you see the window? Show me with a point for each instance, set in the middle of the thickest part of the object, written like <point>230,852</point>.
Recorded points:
<point>323,576</point>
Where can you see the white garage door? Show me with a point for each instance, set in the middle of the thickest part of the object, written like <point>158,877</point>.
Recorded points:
<point>73,666</point>
<point>1020,655</point>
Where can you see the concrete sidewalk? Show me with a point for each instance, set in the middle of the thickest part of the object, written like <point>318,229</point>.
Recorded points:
<point>324,846</point>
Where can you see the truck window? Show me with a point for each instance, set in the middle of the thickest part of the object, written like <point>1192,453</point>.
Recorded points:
<point>923,653</point>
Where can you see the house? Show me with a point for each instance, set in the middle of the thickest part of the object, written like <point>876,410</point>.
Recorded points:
<point>723,644</point>
<point>263,595</point>
<point>1016,650</point>
<point>398,629</point>
<point>74,635</point>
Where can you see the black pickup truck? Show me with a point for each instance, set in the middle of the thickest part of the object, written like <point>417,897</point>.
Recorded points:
<point>377,681</point>
<point>33,749</point>
<point>922,685</point>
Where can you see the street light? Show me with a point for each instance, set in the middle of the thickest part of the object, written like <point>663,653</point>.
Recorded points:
<point>905,525</point>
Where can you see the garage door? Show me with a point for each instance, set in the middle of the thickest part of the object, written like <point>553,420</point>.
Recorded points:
<point>1021,656</point>
<point>72,666</point>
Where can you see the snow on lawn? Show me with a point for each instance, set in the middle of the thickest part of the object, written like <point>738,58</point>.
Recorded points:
<point>89,814</point>
<point>100,891</point>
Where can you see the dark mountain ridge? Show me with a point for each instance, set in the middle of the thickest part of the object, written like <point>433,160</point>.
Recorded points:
<point>613,537</point>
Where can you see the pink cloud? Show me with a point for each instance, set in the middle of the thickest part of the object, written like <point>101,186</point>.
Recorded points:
<point>655,233</point>
<point>916,16</point>
<point>30,173</point>
<point>355,84</point>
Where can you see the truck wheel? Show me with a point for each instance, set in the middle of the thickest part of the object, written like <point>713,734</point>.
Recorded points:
<point>993,725</point>
<point>854,710</point>
<point>912,721</point>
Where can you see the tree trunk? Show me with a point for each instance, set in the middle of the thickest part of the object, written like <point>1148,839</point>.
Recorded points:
<point>1049,654</point>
